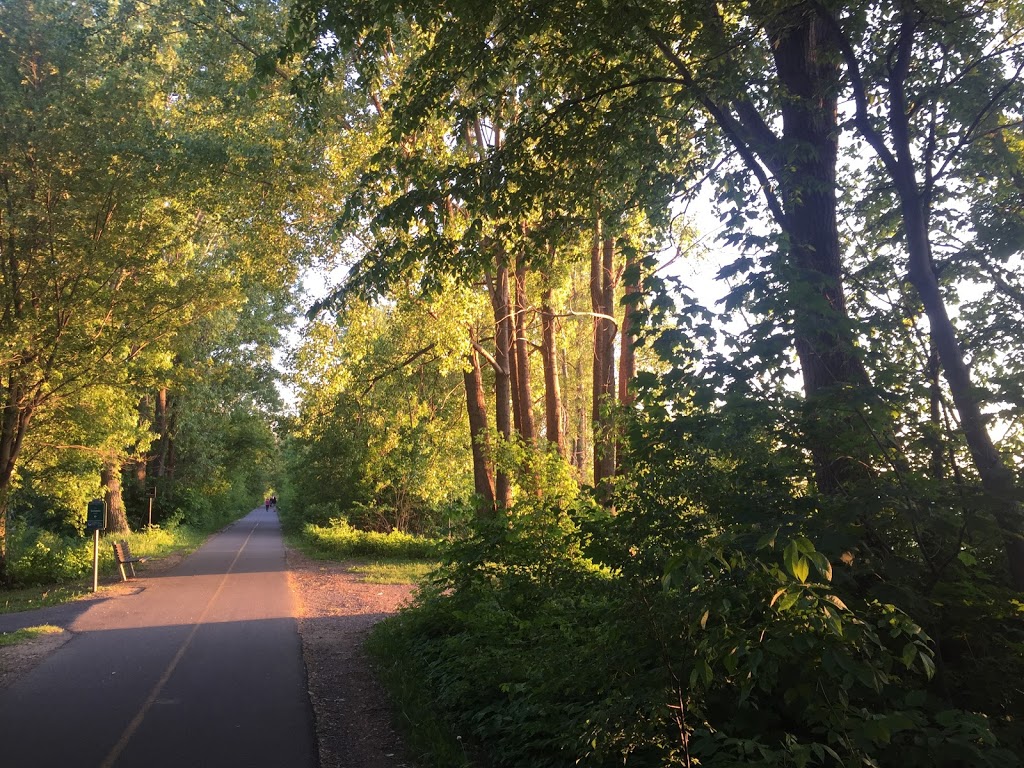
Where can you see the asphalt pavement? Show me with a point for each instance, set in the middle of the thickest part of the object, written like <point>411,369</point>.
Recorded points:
<point>203,667</point>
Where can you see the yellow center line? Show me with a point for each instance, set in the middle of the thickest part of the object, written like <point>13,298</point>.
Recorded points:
<point>148,703</point>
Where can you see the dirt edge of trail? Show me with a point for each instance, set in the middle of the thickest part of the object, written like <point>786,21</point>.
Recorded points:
<point>336,610</point>
<point>20,659</point>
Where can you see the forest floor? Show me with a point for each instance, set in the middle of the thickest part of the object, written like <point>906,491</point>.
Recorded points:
<point>337,609</point>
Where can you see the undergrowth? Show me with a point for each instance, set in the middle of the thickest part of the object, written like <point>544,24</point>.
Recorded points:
<point>339,540</point>
<point>717,652</point>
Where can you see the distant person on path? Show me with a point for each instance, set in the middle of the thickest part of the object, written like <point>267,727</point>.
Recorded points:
<point>266,504</point>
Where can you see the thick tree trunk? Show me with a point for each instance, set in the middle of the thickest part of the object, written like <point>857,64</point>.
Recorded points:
<point>524,395</point>
<point>553,417</point>
<point>802,164</point>
<point>16,418</point>
<point>499,291</point>
<point>809,71</point>
<point>608,283</point>
<point>110,476</point>
<point>476,407</point>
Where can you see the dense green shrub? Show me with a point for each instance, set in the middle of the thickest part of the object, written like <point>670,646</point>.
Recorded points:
<point>39,557</point>
<point>735,655</point>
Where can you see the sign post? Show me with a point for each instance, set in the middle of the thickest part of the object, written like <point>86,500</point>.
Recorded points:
<point>96,521</point>
<point>151,493</point>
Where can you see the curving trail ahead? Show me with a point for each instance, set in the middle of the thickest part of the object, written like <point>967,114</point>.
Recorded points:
<point>202,667</point>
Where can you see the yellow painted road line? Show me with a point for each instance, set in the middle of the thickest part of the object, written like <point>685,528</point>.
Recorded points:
<point>133,726</point>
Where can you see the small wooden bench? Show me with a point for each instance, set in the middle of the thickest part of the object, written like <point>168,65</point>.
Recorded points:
<point>123,555</point>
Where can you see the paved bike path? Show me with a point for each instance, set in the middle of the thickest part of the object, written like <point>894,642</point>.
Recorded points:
<point>202,667</point>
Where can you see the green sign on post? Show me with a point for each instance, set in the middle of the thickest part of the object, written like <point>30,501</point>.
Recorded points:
<point>96,515</point>
<point>96,521</point>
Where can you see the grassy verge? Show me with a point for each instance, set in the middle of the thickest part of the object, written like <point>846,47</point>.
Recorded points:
<point>429,739</point>
<point>381,558</point>
<point>394,571</point>
<point>8,639</point>
<point>156,543</point>
<point>341,541</point>
<point>30,598</point>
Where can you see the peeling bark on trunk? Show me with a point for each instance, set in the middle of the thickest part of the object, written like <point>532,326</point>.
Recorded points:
<point>476,407</point>
<point>110,476</point>
<point>554,419</point>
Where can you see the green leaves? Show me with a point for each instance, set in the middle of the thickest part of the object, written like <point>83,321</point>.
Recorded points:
<point>799,554</point>
<point>795,563</point>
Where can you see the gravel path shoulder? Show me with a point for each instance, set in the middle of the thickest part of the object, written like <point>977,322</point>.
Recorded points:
<point>336,611</point>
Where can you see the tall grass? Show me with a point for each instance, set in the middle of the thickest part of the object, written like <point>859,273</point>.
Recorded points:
<point>339,541</point>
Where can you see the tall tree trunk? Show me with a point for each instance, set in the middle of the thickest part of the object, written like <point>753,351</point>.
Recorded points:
<point>809,70</point>
<point>163,430</point>
<point>578,443</point>
<point>602,293</point>
<point>802,163</point>
<point>554,418</point>
<point>596,305</point>
<point>627,334</point>
<point>110,476</point>
<point>936,464</point>
<point>16,418</point>
<point>513,378</point>
<point>526,427</point>
<point>140,465</point>
<point>627,351</point>
<point>476,407</point>
<point>4,506</point>
<point>499,292</point>
<point>172,446</point>
<point>996,477</point>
